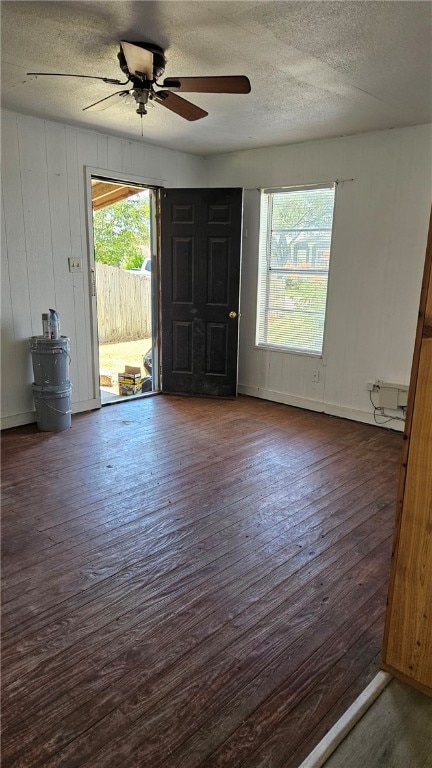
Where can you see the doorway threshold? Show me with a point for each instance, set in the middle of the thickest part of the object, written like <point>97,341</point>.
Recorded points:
<point>109,398</point>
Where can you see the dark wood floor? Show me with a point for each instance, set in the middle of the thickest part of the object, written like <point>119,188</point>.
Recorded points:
<point>190,583</point>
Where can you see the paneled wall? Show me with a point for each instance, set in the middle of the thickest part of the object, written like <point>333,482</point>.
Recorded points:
<point>380,232</point>
<point>44,223</point>
<point>378,250</point>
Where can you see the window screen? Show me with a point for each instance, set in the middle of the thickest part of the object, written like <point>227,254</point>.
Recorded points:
<point>294,256</point>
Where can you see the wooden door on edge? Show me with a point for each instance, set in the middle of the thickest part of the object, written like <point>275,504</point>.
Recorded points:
<point>408,633</point>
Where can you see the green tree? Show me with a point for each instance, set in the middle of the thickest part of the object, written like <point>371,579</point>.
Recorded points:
<point>121,230</point>
<point>294,210</point>
<point>293,214</point>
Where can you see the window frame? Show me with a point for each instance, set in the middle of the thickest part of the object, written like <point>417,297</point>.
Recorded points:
<point>270,191</point>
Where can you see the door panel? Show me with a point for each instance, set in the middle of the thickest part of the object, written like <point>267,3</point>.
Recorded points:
<point>200,276</point>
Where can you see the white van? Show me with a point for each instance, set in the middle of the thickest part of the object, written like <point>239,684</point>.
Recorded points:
<point>146,266</point>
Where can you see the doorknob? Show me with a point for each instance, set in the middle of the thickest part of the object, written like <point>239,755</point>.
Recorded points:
<point>232,315</point>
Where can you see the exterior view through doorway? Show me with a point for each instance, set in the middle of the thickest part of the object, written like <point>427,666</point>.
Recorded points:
<point>123,246</point>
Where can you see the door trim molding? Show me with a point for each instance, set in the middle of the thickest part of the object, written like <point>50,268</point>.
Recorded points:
<point>331,741</point>
<point>124,178</point>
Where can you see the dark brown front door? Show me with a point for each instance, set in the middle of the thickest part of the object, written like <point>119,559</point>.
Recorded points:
<point>200,275</point>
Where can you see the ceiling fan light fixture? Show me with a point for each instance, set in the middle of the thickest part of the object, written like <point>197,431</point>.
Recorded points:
<point>143,63</point>
<point>141,97</point>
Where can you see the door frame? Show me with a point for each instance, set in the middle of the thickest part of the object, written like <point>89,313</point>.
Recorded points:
<point>154,186</point>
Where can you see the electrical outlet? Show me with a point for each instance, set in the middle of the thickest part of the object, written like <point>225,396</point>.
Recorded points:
<point>370,386</point>
<point>74,264</point>
<point>315,375</point>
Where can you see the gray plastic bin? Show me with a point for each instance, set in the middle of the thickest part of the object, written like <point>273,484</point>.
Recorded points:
<point>50,358</point>
<point>53,407</point>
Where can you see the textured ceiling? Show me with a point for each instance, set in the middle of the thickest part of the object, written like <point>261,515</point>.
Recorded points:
<point>317,69</point>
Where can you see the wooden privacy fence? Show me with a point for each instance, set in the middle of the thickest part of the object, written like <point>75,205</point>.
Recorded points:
<point>123,304</point>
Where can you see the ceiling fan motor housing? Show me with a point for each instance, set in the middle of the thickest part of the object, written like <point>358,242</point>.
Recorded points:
<point>159,61</point>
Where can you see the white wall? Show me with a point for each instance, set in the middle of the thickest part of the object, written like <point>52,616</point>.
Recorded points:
<point>379,243</point>
<point>43,223</point>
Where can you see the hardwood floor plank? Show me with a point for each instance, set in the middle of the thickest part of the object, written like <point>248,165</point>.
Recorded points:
<point>297,726</point>
<point>278,747</point>
<point>157,596</point>
<point>188,706</point>
<point>338,538</point>
<point>265,703</point>
<point>180,639</point>
<point>113,564</point>
<point>317,729</point>
<point>133,541</point>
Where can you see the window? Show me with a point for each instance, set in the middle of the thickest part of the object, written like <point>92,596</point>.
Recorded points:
<point>294,255</point>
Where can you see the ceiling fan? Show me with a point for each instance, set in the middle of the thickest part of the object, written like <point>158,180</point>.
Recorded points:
<point>143,64</point>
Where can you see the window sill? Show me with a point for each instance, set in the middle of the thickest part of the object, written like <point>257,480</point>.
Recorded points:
<point>287,351</point>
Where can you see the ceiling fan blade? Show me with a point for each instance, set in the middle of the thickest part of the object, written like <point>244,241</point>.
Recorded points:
<point>139,60</point>
<point>223,84</point>
<point>182,107</point>
<point>101,104</point>
<point>109,80</point>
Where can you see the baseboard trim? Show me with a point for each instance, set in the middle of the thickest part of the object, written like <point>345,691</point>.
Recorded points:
<point>363,416</point>
<point>346,723</point>
<point>17,420</point>
<point>86,405</point>
<point>20,419</point>
<point>316,405</point>
<point>281,397</point>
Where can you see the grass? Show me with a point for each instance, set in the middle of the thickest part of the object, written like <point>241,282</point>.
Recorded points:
<point>113,358</point>
<point>295,331</point>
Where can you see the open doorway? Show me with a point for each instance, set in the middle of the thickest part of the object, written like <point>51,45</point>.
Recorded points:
<point>123,246</point>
